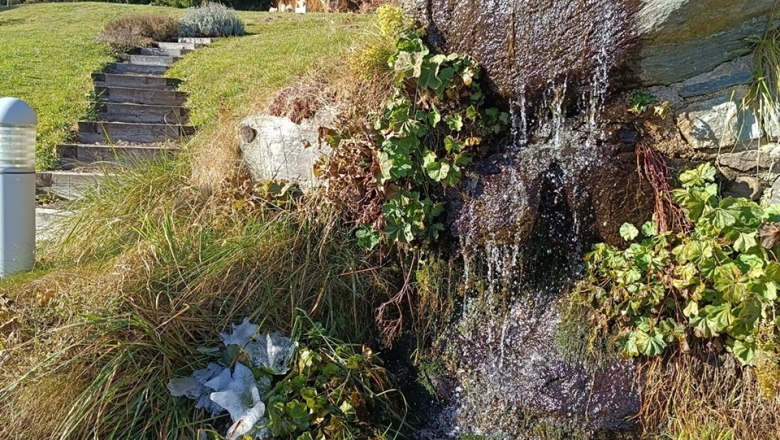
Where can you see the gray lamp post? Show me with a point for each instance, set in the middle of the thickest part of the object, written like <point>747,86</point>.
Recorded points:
<point>17,186</point>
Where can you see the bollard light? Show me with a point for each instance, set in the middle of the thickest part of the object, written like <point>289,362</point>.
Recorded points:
<point>17,186</point>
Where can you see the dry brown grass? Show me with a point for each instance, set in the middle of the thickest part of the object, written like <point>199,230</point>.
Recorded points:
<point>703,396</point>
<point>137,30</point>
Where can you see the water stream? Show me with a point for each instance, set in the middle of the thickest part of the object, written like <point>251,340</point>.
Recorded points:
<point>523,226</point>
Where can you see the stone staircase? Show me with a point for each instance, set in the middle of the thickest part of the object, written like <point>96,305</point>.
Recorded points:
<point>141,116</point>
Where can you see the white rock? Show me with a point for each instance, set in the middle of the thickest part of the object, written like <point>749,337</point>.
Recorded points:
<point>719,122</point>
<point>284,150</point>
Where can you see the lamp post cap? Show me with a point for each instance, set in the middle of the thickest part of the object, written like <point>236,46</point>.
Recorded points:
<point>16,112</point>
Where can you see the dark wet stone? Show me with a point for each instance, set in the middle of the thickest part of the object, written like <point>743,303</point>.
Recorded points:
<point>524,230</point>
<point>525,45</point>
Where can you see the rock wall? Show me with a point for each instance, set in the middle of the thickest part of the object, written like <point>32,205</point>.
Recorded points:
<point>525,215</point>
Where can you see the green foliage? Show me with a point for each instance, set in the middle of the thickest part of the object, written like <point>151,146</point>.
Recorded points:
<point>428,132</point>
<point>640,101</point>
<point>211,20</point>
<point>334,391</point>
<point>392,22</point>
<point>719,281</point>
<point>370,59</point>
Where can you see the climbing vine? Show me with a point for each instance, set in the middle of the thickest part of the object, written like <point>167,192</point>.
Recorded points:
<point>718,282</point>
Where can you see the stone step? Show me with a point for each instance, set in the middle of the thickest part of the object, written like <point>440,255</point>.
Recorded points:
<point>140,96</point>
<point>179,46</point>
<point>142,113</point>
<point>197,40</point>
<point>45,222</point>
<point>80,155</point>
<point>152,60</point>
<point>135,69</point>
<point>115,132</point>
<point>68,185</point>
<point>135,81</point>
<point>157,51</point>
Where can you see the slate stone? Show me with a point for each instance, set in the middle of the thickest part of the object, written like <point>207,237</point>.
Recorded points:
<point>720,122</point>
<point>680,39</point>
<point>733,73</point>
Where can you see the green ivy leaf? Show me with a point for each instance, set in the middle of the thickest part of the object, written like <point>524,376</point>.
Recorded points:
<point>298,414</point>
<point>713,320</point>
<point>721,218</point>
<point>745,352</point>
<point>729,282</point>
<point>455,123</point>
<point>628,231</point>
<point>703,174</point>
<point>434,116</point>
<point>745,242</point>
<point>651,345</point>
<point>367,237</point>
<point>649,229</point>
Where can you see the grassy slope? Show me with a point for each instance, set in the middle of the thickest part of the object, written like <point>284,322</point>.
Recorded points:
<point>239,73</point>
<point>164,264</point>
<point>47,53</point>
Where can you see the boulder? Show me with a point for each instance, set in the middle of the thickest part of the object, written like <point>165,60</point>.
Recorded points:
<point>276,148</point>
<point>766,159</point>
<point>679,39</point>
<point>727,75</point>
<point>525,45</point>
<point>720,122</point>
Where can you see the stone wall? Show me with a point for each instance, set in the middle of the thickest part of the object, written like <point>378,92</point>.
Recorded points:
<point>718,121</point>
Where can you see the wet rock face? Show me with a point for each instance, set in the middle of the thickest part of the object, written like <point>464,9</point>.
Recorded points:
<point>528,43</point>
<point>514,382</point>
<point>524,45</point>
<point>538,196</point>
<point>523,221</point>
<point>679,39</point>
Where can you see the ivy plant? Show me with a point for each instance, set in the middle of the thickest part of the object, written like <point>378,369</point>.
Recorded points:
<point>718,282</point>
<point>429,130</point>
<point>317,388</point>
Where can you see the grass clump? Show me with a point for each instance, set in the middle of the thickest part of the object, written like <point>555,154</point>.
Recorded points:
<point>134,31</point>
<point>211,20</point>
<point>152,266</point>
<point>700,395</point>
<point>764,94</point>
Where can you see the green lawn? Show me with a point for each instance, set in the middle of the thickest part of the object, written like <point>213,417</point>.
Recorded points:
<point>47,53</point>
<point>237,73</point>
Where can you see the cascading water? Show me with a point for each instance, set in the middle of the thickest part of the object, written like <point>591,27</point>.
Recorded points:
<point>527,215</point>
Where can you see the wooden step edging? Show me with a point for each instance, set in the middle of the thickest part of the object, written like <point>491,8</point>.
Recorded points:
<point>123,95</point>
<point>115,132</point>
<point>135,81</point>
<point>79,155</point>
<point>136,69</point>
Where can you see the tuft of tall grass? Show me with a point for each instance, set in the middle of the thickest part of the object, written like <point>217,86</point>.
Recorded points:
<point>702,396</point>
<point>152,267</point>
<point>764,94</point>
<point>134,31</point>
